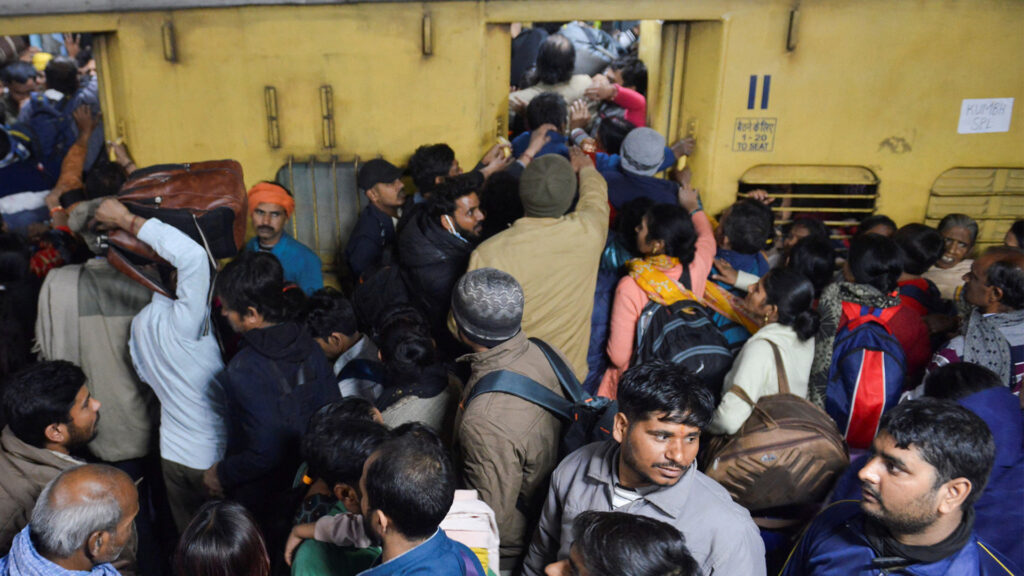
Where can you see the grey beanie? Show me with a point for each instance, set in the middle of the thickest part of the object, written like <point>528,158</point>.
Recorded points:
<point>547,187</point>
<point>643,151</point>
<point>488,306</point>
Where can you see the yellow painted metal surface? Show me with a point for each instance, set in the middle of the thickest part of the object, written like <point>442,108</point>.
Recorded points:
<point>874,83</point>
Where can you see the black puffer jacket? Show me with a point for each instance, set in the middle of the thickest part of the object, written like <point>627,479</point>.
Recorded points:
<point>432,261</point>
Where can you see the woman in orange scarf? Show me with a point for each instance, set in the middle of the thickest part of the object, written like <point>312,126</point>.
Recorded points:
<point>672,239</point>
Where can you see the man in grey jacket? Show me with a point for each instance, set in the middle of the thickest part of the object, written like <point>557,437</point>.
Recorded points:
<point>648,470</point>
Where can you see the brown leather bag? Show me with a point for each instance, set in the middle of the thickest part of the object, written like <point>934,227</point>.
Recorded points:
<point>205,200</point>
<point>787,454</point>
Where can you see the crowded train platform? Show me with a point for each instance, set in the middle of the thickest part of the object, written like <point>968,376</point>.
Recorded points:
<point>559,356</point>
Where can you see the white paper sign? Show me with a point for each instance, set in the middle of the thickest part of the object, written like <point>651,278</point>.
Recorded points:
<point>981,115</point>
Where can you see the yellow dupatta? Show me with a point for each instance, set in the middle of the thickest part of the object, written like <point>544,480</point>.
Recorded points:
<point>649,274</point>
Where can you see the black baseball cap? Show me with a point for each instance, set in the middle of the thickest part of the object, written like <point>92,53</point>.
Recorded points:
<point>376,171</point>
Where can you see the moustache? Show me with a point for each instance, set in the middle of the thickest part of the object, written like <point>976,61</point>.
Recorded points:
<point>672,466</point>
<point>264,229</point>
<point>870,492</point>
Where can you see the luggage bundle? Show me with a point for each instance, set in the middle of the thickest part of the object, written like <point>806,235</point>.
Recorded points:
<point>786,455</point>
<point>205,200</point>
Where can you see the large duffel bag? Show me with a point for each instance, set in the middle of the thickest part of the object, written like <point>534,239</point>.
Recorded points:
<point>205,200</point>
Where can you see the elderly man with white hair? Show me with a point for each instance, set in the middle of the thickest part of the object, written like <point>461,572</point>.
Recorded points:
<point>80,524</point>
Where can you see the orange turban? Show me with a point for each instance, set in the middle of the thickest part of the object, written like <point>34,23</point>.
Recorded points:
<point>273,194</point>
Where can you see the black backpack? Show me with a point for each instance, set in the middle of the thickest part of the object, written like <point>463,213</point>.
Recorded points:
<point>585,418</point>
<point>684,333</point>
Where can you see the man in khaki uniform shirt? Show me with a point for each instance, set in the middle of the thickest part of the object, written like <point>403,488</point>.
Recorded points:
<point>554,255</point>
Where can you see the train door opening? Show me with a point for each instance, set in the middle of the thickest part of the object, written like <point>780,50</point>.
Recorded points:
<point>683,62</point>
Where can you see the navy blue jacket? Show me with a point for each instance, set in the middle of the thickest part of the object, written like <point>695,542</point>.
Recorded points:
<point>835,544</point>
<point>371,242</point>
<point>267,410</point>
<point>1001,504</point>
<point>623,187</point>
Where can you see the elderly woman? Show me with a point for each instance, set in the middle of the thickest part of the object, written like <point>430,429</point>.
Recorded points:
<point>959,233</point>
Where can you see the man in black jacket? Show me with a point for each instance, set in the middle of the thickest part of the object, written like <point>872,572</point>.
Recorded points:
<point>271,387</point>
<point>434,247</point>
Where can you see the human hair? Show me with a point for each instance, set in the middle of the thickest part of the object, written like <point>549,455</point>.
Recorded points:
<point>412,481</point>
<point>58,529</point>
<point>256,279</point>
<point>922,247</point>
<point>500,201</point>
<point>547,108</point>
<point>62,75</point>
<point>1006,272</point>
<point>612,131</point>
<point>634,72</point>
<point>949,437</point>
<point>628,218</point>
<point>962,221</point>
<point>83,56</point>
<point>221,540</point>
<point>406,347</point>
<point>105,178</point>
<point>873,221</point>
<point>1017,230</point>
<point>447,193</point>
<point>672,225</point>
<point>622,543</point>
<point>428,162</point>
<point>336,446</point>
<point>960,380</point>
<point>793,295</point>
<point>39,395</point>
<point>815,228</point>
<point>328,311</point>
<point>1010,279</point>
<point>556,59</point>
<point>17,291</point>
<point>749,226</point>
<point>18,73</point>
<point>876,260</point>
<point>662,387</point>
<point>814,258</point>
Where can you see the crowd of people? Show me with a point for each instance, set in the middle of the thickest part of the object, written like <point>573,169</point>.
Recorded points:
<point>537,366</point>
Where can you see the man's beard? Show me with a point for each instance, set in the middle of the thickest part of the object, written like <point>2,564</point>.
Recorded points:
<point>81,438</point>
<point>920,516</point>
<point>371,534</point>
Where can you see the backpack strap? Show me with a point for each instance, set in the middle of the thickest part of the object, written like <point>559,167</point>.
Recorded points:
<point>741,395</point>
<point>780,368</point>
<point>522,387</point>
<point>566,377</point>
<point>857,315</point>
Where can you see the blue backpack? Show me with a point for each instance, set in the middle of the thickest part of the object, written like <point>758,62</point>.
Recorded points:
<point>585,418</point>
<point>867,372</point>
<point>52,130</point>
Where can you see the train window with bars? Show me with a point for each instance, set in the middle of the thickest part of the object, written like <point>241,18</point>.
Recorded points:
<point>327,205</point>
<point>994,197</point>
<point>839,196</point>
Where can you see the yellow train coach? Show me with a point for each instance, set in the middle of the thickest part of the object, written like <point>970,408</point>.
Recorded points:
<point>910,108</point>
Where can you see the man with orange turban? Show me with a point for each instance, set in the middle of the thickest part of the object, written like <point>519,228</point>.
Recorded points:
<point>270,207</point>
